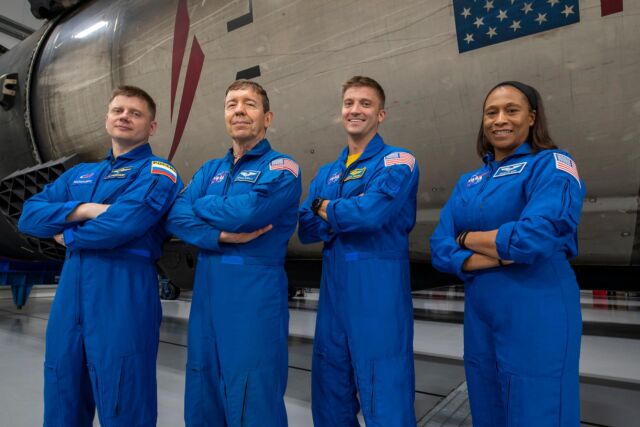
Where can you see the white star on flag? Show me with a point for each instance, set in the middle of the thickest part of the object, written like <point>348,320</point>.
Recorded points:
<point>469,38</point>
<point>568,10</point>
<point>488,5</point>
<point>502,15</point>
<point>553,2</point>
<point>527,8</point>
<point>492,32</point>
<point>479,22</point>
<point>515,26</point>
<point>466,12</point>
<point>542,17</point>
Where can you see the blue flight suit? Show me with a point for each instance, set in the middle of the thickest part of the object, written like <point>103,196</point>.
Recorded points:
<point>239,321</point>
<point>364,328</point>
<point>522,322</point>
<point>103,331</point>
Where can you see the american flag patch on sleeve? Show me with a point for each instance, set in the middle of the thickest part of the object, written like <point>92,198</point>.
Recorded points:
<point>162,168</point>
<point>399,158</point>
<point>566,164</point>
<point>285,164</point>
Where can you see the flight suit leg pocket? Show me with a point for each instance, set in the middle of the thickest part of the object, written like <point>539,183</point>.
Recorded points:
<point>532,401</point>
<point>365,383</point>
<point>52,402</point>
<point>194,396</point>
<point>392,391</point>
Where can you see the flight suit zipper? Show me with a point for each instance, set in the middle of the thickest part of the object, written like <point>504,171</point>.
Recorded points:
<point>231,176</point>
<point>345,174</point>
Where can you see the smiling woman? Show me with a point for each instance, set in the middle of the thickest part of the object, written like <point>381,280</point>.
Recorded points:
<point>511,116</point>
<point>508,231</point>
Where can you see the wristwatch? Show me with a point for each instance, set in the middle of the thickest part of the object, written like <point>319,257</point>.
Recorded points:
<point>315,205</point>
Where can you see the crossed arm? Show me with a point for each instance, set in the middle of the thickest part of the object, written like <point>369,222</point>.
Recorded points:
<point>82,212</point>
<point>485,252</point>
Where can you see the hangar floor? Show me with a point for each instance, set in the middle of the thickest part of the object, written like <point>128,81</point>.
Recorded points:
<point>609,368</point>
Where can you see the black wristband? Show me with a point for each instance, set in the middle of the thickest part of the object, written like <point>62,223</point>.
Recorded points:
<point>500,262</point>
<point>462,239</point>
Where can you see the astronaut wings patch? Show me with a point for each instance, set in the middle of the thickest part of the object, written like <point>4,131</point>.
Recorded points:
<point>162,168</point>
<point>285,164</point>
<point>399,158</point>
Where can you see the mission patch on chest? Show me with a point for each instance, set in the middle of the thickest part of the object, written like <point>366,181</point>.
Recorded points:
<point>355,174</point>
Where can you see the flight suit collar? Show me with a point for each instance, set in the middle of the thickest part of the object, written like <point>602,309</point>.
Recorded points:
<point>373,147</point>
<point>141,152</point>
<point>261,148</point>
<point>522,150</point>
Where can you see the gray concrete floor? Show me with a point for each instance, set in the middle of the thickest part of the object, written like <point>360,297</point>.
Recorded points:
<point>610,373</point>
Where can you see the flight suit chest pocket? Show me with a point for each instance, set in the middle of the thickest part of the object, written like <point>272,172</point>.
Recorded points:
<point>112,185</point>
<point>82,185</point>
<point>355,181</point>
<point>243,181</point>
<point>331,185</point>
<point>217,183</point>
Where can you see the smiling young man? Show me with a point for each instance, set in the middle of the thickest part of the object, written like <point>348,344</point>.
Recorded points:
<point>103,331</point>
<point>363,206</point>
<point>240,211</point>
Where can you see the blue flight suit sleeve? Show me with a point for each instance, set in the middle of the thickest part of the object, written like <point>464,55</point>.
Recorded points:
<point>44,215</point>
<point>312,228</point>
<point>185,224</point>
<point>259,207</point>
<point>141,206</point>
<point>550,218</point>
<point>384,196</point>
<point>446,255</point>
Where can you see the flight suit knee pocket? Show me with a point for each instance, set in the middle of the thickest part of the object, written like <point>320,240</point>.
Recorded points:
<point>386,388</point>
<point>235,399</point>
<point>531,401</point>
<point>128,391</point>
<point>52,401</point>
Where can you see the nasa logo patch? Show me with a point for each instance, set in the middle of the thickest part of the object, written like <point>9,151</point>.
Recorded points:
<point>476,179</point>
<point>219,177</point>
<point>333,178</point>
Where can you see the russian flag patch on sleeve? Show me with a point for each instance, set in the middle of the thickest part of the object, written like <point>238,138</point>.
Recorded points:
<point>162,168</point>
<point>285,164</point>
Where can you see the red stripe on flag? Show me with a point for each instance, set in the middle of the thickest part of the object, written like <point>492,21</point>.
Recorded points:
<point>608,7</point>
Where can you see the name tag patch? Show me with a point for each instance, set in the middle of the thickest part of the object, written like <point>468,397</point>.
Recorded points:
<point>510,170</point>
<point>219,177</point>
<point>333,178</point>
<point>247,176</point>
<point>355,174</point>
